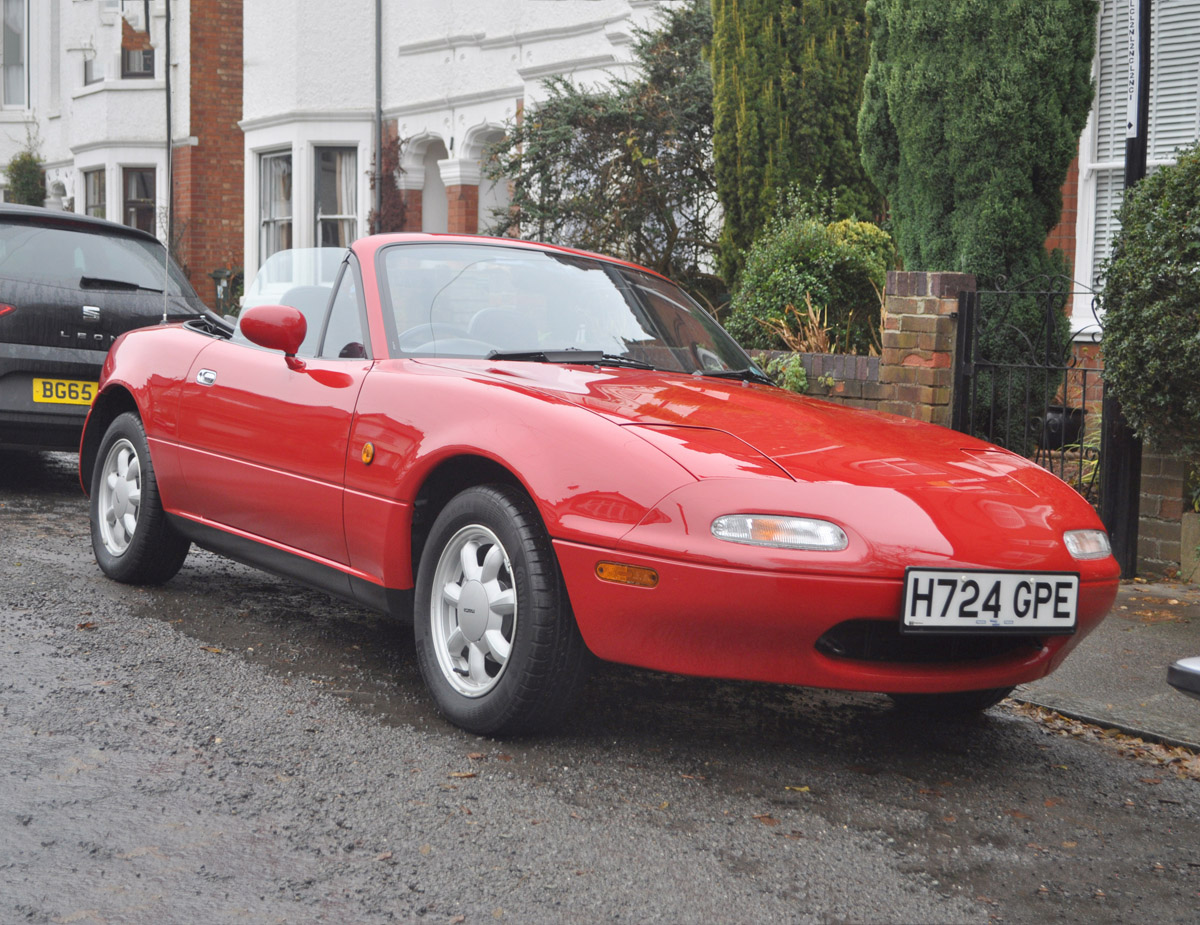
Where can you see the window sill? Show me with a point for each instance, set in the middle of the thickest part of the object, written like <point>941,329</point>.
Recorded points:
<point>119,85</point>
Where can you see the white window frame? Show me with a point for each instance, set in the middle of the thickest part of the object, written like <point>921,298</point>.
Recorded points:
<point>5,84</point>
<point>269,224</point>
<point>318,216</point>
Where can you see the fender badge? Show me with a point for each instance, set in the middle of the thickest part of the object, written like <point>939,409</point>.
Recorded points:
<point>368,453</point>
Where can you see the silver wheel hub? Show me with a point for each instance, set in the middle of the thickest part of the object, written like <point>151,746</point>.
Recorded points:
<point>120,496</point>
<point>473,610</point>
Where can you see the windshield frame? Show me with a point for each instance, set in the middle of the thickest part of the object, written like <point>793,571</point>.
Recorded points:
<point>692,342</point>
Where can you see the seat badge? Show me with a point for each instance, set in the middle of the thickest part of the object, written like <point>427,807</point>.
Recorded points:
<point>91,313</point>
<point>206,376</point>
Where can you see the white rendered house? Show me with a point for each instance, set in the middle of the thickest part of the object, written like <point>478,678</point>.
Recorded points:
<point>451,74</point>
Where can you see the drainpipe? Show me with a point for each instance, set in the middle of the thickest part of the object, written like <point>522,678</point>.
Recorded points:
<point>1120,447</point>
<point>167,81</point>
<point>378,115</point>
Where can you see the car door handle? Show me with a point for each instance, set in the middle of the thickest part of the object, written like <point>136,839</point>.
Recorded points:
<point>206,376</point>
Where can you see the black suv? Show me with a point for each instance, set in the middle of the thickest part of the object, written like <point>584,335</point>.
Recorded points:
<point>69,284</point>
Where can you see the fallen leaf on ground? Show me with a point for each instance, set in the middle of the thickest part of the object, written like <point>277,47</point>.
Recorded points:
<point>385,856</point>
<point>213,649</point>
<point>766,819</point>
<point>89,625</point>
<point>462,774</point>
<point>1183,761</point>
<point>804,789</point>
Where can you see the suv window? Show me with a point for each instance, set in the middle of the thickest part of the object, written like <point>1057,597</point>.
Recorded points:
<point>82,259</point>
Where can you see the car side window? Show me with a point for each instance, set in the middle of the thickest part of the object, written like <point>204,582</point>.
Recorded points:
<point>344,328</point>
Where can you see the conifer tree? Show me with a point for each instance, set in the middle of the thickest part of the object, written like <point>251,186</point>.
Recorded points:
<point>971,115</point>
<point>787,82</point>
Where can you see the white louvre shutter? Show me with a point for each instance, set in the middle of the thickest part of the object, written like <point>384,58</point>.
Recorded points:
<point>1107,171</point>
<point>1174,77</point>
<point>1112,70</point>
<point>1110,184</point>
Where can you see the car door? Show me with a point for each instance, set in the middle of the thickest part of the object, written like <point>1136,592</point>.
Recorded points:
<point>263,445</point>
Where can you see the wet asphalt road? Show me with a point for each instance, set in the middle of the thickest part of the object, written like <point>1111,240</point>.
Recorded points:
<point>234,748</point>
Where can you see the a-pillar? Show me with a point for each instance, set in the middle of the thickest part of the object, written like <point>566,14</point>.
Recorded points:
<point>461,178</point>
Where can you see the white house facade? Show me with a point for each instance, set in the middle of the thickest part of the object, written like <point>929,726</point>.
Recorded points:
<point>1174,122</point>
<point>452,74</point>
<point>83,87</point>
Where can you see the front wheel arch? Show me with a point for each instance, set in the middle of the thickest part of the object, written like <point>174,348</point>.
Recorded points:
<point>443,482</point>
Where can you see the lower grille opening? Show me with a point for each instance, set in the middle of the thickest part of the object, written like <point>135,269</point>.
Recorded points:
<point>882,641</point>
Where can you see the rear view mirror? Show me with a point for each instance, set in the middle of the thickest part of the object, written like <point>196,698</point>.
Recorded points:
<point>276,327</point>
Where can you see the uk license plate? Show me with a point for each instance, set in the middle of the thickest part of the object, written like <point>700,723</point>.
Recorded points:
<point>955,600</point>
<point>63,391</point>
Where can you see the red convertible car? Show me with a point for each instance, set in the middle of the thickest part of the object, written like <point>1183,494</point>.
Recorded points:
<point>542,455</point>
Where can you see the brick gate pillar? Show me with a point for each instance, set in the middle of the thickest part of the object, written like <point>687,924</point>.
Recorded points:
<point>916,370</point>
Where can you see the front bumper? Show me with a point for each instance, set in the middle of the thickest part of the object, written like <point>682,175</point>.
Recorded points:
<point>766,626</point>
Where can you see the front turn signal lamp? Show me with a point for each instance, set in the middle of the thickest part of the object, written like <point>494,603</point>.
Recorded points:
<point>780,532</point>
<point>1087,544</point>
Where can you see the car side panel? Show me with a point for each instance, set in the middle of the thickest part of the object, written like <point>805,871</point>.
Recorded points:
<point>149,364</point>
<point>591,480</point>
<point>263,446</point>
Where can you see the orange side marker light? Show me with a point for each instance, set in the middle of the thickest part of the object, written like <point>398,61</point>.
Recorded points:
<point>627,574</point>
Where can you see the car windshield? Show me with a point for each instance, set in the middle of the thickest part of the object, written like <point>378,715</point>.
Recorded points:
<point>295,269</point>
<point>489,300</point>
<point>72,258</point>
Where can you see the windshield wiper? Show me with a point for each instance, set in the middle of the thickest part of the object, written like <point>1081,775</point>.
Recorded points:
<point>745,375</point>
<point>99,282</point>
<point>570,355</point>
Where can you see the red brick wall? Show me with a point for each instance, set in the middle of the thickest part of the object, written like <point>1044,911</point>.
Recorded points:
<point>209,196</point>
<point>131,39</point>
<point>1062,236</point>
<point>463,209</point>
<point>412,209</point>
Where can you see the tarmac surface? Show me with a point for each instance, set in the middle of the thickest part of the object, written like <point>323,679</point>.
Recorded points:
<point>1117,676</point>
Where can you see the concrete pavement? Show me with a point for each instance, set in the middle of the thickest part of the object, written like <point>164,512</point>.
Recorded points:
<point>1117,676</point>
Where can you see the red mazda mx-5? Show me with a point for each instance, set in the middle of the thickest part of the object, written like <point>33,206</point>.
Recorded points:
<point>540,453</point>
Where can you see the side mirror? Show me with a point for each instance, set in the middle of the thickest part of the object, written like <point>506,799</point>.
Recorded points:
<point>276,327</point>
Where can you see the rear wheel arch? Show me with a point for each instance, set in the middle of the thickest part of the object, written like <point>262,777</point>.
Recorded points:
<point>109,405</point>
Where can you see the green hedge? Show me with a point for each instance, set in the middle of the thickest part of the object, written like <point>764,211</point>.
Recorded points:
<point>1152,307</point>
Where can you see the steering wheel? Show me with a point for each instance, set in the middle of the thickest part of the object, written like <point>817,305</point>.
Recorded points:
<point>425,334</point>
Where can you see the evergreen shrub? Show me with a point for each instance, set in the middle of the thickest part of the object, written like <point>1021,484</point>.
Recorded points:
<point>839,269</point>
<point>1151,302</point>
<point>26,179</point>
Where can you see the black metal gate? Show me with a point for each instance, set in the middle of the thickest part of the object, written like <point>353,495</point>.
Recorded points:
<point>1024,380</point>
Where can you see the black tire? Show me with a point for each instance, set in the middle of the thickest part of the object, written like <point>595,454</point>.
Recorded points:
<point>490,672</point>
<point>131,536</point>
<point>959,703</point>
